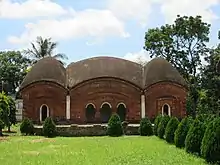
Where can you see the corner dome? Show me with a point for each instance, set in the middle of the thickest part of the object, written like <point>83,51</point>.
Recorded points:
<point>160,70</point>
<point>46,69</point>
<point>98,67</point>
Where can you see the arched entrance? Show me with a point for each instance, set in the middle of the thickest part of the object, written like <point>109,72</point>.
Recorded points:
<point>90,113</point>
<point>121,111</point>
<point>44,112</point>
<point>105,112</point>
<point>166,110</point>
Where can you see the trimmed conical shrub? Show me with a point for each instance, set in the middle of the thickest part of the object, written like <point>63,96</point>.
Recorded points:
<point>170,129</point>
<point>194,137</point>
<point>115,126</point>
<point>145,128</point>
<point>27,127</point>
<point>181,132</point>
<point>156,124</point>
<point>162,126</point>
<point>210,148</point>
<point>49,128</point>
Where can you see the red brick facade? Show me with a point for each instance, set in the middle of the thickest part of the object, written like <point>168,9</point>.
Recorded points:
<point>93,89</point>
<point>99,91</point>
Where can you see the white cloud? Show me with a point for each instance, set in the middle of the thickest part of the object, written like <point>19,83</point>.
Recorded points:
<point>171,8</point>
<point>93,23</point>
<point>141,57</point>
<point>132,9</point>
<point>30,9</point>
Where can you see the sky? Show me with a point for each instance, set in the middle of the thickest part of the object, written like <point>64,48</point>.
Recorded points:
<point>89,28</point>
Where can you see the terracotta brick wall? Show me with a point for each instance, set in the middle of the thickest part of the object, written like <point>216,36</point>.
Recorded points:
<point>35,95</point>
<point>165,93</point>
<point>102,90</point>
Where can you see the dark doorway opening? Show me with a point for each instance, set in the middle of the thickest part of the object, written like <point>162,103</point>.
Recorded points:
<point>165,109</point>
<point>44,112</point>
<point>90,113</point>
<point>121,111</point>
<point>105,113</point>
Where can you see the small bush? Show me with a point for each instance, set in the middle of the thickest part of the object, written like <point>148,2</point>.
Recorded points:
<point>170,129</point>
<point>162,126</point>
<point>49,128</point>
<point>210,148</point>
<point>115,126</point>
<point>145,128</point>
<point>194,137</point>
<point>181,132</point>
<point>156,123</point>
<point>27,127</point>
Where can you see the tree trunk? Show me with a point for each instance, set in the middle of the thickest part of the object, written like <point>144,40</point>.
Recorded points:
<point>1,132</point>
<point>9,128</point>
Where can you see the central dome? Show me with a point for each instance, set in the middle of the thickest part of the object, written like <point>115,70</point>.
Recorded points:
<point>98,67</point>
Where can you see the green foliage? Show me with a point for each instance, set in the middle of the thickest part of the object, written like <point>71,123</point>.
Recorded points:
<point>170,129</point>
<point>4,109</point>
<point>12,112</point>
<point>194,137</point>
<point>156,124</point>
<point>12,70</point>
<point>44,48</point>
<point>181,43</point>
<point>2,125</point>
<point>181,132</point>
<point>210,148</point>
<point>162,126</point>
<point>49,128</point>
<point>145,128</point>
<point>115,126</point>
<point>27,127</point>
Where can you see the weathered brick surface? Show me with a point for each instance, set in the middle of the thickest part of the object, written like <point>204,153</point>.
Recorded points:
<point>105,90</point>
<point>35,95</point>
<point>165,93</point>
<point>98,91</point>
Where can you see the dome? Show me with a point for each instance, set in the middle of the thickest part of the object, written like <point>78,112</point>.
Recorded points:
<point>98,67</point>
<point>46,69</point>
<point>159,70</point>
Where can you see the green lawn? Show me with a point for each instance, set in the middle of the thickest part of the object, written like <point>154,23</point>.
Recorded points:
<point>132,150</point>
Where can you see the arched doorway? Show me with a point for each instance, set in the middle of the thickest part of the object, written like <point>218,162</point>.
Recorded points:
<point>90,113</point>
<point>121,111</point>
<point>166,110</point>
<point>105,112</point>
<point>44,112</point>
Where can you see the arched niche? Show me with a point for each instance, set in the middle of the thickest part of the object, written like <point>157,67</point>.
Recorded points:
<point>105,112</point>
<point>121,111</point>
<point>44,112</point>
<point>90,111</point>
<point>166,110</point>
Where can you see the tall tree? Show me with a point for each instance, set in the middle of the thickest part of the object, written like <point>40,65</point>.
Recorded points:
<point>12,113</point>
<point>13,67</point>
<point>4,109</point>
<point>44,48</point>
<point>182,44</point>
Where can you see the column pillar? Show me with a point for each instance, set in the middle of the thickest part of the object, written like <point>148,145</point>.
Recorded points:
<point>67,107</point>
<point>142,106</point>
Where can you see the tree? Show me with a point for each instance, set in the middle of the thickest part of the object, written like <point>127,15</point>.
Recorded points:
<point>115,126</point>
<point>156,124</point>
<point>44,48</point>
<point>170,129</point>
<point>49,128</point>
<point>182,44</point>
<point>145,128</point>
<point>12,112</point>
<point>13,66</point>
<point>4,109</point>
<point>162,126</point>
<point>27,127</point>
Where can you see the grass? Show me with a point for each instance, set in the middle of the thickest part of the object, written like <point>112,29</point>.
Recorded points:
<point>127,150</point>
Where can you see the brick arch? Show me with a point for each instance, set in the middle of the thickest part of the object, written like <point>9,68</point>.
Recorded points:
<point>101,90</point>
<point>48,93</point>
<point>162,93</point>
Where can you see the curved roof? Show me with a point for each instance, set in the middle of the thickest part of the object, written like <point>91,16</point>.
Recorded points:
<point>104,67</point>
<point>159,70</point>
<point>46,69</point>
